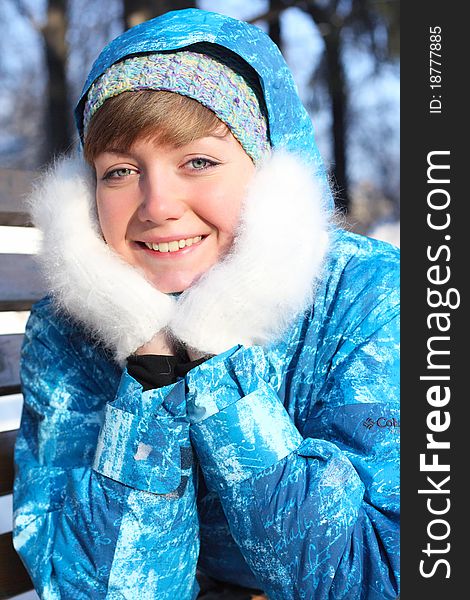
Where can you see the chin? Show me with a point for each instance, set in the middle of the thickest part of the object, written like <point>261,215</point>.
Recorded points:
<point>174,283</point>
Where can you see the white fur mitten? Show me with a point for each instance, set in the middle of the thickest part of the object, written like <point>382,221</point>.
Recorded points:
<point>268,278</point>
<point>85,277</point>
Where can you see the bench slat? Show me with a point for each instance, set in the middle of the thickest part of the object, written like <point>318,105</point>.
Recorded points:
<point>7,446</point>
<point>10,347</point>
<point>15,185</point>
<point>16,219</point>
<point>20,282</point>
<point>14,578</point>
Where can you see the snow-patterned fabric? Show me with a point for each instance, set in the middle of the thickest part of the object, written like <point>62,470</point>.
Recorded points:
<point>275,468</point>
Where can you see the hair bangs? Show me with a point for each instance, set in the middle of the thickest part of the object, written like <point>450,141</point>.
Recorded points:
<point>165,117</point>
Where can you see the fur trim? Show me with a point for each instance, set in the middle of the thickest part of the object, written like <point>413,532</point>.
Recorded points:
<point>85,277</point>
<point>269,278</point>
<point>248,298</point>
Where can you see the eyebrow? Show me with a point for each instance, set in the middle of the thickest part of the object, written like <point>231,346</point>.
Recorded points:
<point>116,151</point>
<point>126,151</point>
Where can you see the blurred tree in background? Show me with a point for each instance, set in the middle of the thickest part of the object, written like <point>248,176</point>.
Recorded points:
<point>361,22</point>
<point>138,11</point>
<point>72,32</point>
<point>54,32</point>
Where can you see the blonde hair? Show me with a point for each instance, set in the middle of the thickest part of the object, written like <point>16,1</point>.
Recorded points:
<point>166,117</point>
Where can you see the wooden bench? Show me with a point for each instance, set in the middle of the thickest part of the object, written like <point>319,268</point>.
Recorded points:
<point>19,289</point>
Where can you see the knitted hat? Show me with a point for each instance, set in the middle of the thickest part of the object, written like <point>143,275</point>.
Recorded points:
<point>192,74</point>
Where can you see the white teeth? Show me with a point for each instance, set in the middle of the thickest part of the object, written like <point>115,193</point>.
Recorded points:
<point>173,246</point>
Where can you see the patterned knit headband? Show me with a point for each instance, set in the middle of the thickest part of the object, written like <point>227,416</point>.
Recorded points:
<point>192,74</point>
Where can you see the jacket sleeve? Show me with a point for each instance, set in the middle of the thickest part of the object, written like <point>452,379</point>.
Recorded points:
<point>104,501</point>
<point>315,515</point>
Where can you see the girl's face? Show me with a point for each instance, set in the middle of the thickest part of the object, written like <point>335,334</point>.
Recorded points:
<point>172,212</point>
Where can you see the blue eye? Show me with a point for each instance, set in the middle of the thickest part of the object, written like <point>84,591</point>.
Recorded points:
<point>200,163</point>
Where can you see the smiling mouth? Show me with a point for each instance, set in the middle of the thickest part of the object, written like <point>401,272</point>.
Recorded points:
<point>173,246</point>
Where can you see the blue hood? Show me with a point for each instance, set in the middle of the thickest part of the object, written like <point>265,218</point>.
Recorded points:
<point>289,123</point>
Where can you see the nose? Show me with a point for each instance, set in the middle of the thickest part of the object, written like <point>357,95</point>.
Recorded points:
<point>162,197</point>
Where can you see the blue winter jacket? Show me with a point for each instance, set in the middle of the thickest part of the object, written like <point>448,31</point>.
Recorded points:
<point>288,484</point>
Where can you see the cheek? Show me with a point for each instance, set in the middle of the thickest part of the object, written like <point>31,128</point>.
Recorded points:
<point>223,208</point>
<point>224,216</point>
<point>110,218</point>
<point>230,218</point>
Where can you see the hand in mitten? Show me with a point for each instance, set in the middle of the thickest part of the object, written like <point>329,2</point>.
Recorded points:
<point>268,278</point>
<point>86,278</point>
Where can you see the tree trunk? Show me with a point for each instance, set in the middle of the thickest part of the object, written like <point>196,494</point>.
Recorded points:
<point>338,95</point>
<point>274,22</point>
<point>138,11</point>
<point>58,135</point>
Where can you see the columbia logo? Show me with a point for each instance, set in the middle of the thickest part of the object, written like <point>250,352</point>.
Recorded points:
<point>381,423</point>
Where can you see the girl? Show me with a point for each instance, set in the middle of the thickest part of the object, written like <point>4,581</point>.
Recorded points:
<point>207,382</point>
